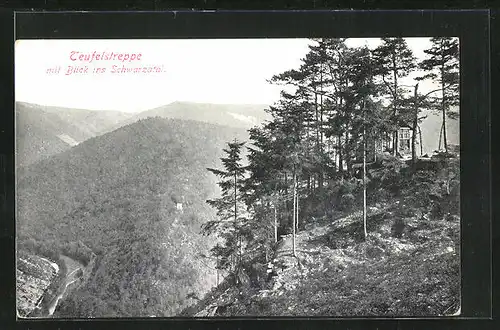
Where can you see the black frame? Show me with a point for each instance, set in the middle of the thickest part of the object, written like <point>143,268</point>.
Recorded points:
<point>471,26</point>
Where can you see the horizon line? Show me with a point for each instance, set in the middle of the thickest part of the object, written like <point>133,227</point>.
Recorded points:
<point>140,110</point>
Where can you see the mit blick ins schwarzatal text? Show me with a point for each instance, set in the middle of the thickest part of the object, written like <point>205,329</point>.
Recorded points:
<point>81,60</point>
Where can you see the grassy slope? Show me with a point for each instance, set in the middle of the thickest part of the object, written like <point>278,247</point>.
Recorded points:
<point>382,277</point>
<point>410,271</point>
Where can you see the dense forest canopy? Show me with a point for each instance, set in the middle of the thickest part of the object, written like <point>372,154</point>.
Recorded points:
<point>114,196</point>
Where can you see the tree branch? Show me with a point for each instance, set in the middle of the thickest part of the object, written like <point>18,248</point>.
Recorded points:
<point>388,86</point>
<point>331,97</point>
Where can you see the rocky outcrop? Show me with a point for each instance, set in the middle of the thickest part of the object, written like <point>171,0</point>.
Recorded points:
<point>34,276</point>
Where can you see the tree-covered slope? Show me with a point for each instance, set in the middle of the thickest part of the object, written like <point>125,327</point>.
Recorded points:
<point>117,195</point>
<point>409,265</point>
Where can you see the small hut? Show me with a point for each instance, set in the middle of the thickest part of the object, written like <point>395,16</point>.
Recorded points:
<point>178,206</point>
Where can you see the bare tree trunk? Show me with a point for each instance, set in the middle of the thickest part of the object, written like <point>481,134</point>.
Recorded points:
<point>297,211</point>
<point>445,142</point>
<point>286,194</point>
<point>395,99</point>
<point>443,101</point>
<point>275,223</point>
<point>396,142</point>
<point>421,145</point>
<point>317,118</point>
<point>341,163</point>
<point>364,177</point>
<point>414,133</point>
<point>236,217</point>
<point>321,109</point>
<point>217,269</point>
<point>440,136</point>
<point>347,155</point>
<point>320,146</point>
<point>339,146</point>
<point>294,206</point>
<point>286,183</point>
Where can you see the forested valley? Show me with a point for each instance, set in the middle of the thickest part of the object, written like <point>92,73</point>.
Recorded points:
<point>111,204</point>
<point>334,205</point>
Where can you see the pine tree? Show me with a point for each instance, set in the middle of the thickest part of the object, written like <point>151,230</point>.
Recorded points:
<point>394,60</point>
<point>333,114</point>
<point>317,84</point>
<point>262,188</point>
<point>338,118</point>
<point>367,121</point>
<point>418,102</point>
<point>231,212</point>
<point>442,64</point>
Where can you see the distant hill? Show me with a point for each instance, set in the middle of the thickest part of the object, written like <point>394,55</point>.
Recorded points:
<point>46,130</point>
<point>431,127</point>
<point>117,195</point>
<point>232,115</point>
<point>43,131</point>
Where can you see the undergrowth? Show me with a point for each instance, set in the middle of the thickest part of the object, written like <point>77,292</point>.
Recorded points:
<point>426,286</point>
<point>408,266</point>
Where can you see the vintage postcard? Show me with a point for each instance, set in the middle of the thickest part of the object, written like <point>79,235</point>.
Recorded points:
<point>238,177</point>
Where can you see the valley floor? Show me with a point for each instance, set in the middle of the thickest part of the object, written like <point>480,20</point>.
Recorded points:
<point>72,269</point>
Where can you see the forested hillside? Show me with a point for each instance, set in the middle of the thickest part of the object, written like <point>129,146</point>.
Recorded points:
<point>42,131</point>
<point>115,196</point>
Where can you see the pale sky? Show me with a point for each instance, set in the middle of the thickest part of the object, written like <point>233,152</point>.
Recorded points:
<point>204,70</point>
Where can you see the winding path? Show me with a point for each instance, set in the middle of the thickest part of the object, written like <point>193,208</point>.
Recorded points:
<point>72,267</point>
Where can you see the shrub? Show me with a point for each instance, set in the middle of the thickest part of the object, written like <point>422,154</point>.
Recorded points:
<point>378,195</point>
<point>442,155</point>
<point>421,187</point>
<point>437,212</point>
<point>389,174</point>
<point>398,227</point>
<point>347,202</point>
<point>454,198</point>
